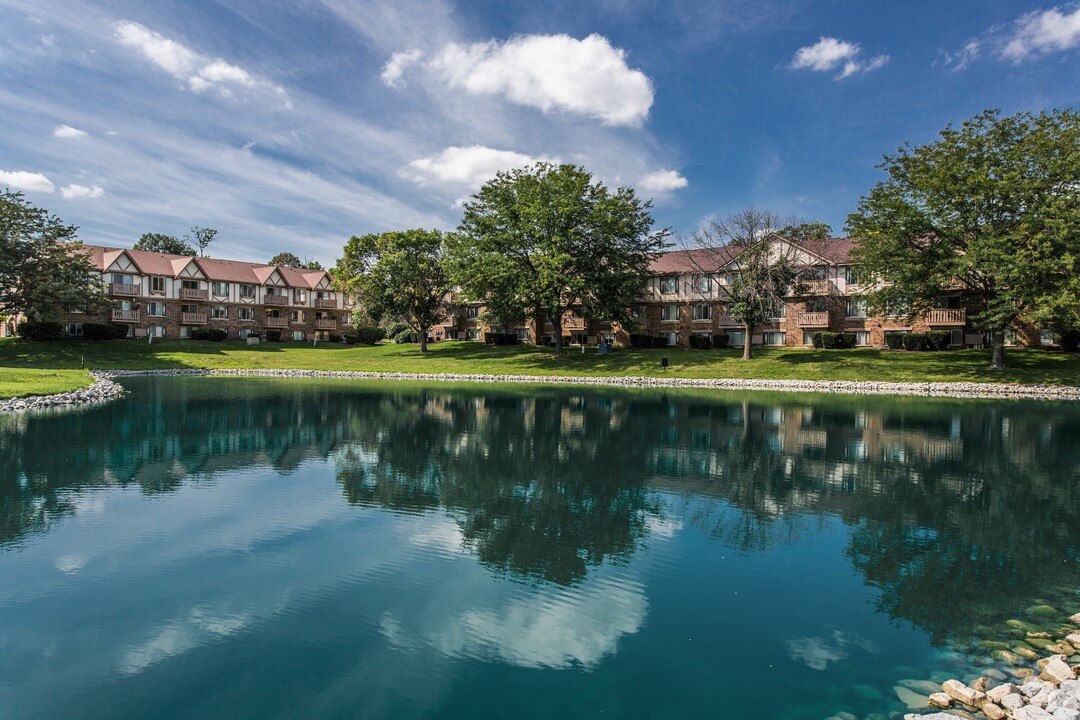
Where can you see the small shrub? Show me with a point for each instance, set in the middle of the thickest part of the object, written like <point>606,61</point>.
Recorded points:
<point>915,341</point>
<point>635,340</point>
<point>98,331</point>
<point>847,340</point>
<point>29,330</point>
<point>271,335</point>
<point>1070,341</point>
<point>396,328</point>
<point>200,334</point>
<point>216,334</point>
<point>720,340</point>
<point>350,338</point>
<point>700,342</point>
<point>894,340</point>
<point>367,335</point>
<point>335,337</point>
<point>938,339</point>
<point>829,340</point>
<point>817,341</point>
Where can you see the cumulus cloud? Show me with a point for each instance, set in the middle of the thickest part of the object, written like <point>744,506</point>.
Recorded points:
<point>548,72</point>
<point>66,131</point>
<point>465,167</point>
<point>77,192</point>
<point>395,67</point>
<point>661,182</point>
<point>829,54</point>
<point>28,181</point>
<point>1039,33</point>
<point>185,64</point>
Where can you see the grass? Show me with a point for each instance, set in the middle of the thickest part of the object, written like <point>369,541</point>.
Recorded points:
<point>22,363</point>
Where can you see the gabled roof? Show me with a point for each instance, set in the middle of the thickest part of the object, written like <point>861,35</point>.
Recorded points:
<point>151,263</point>
<point>834,251</point>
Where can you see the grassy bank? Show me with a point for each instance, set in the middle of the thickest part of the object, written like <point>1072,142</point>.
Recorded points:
<point>22,364</point>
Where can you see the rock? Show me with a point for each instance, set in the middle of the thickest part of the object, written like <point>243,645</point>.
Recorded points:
<point>1059,670</point>
<point>939,700</point>
<point>1042,699</point>
<point>1043,611</point>
<point>1031,713</point>
<point>1039,643</point>
<point>1032,688</point>
<point>1075,619</point>
<point>1074,639</point>
<point>867,693</point>
<point>1012,701</point>
<point>995,674</point>
<point>931,716</point>
<point>961,692</point>
<point>1009,658</point>
<point>1040,634</point>
<point>1026,652</point>
<point>981,684</point>
<point>992,711</point>
<point>996,693</point>
<point>923,687</point>
<point>1061,648</point>
<point>1023,674</point>
<point>1066,714</point>
<point>912,699</point>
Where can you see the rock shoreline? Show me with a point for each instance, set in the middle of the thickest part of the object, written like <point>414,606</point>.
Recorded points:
<point>104,389</point>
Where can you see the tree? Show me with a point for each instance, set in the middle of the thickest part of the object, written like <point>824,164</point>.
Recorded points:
<point>201,237</point>
<point>989,208</point>
<point>43,270</point>
<point>397,274</point>
<point>312,264</point>
<point>764,271</point>
<point>548,238</point>
<point>285,259</point>
<point>161,243</point>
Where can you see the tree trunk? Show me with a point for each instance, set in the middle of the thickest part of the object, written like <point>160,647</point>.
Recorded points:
<point>997,356</point>
<point>556,321</point>
<point>749,329</point>
<point>538,325</point>
<point>423,339</point>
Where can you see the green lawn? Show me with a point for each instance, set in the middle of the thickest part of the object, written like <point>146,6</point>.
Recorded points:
<point>19,361</point>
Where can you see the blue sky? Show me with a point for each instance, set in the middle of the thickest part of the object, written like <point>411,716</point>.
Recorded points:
<point>292,125</point>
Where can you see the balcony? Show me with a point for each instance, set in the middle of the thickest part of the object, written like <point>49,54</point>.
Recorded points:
<point>950,316</point>
<point>125,316</point>
<point>325,324</point>
<point>194,318</point>
<point>817,287</point>
<point>325,303</point>
<point>123,289</point>
<point>725,320</point>
<point>275,299</point>
<point>276,322</point>
<point>193,294</point>
<point>813,319</point>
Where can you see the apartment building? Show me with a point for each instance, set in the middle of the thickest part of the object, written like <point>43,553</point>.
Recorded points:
<point>169,296</point>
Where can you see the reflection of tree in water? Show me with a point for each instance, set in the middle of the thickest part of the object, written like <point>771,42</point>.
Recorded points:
<point>541,487</point>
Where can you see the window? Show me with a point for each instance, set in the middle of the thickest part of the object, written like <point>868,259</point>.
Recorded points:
<point>299,296</point>
<point>245,313</point>
<point>190,284</point>
<point>473,334</point>
<point>897,308</point>
<point>639,313</point>
<point>814,273</point>
<point>298,317</point>
<point>157,284</point>
<point>155,309</point>
<point>185,331</point>
<point>189,308</point>
<point>862,338</point>
<point>773,338</point>
<point>817,304</point>
<point>669,312</point>
<point>949,302</point>
<point>808,337</point>
<point>703,311</point>
<point>221,288</point>
<point>247,291</point>
<point>298,335</point>
<point>703,283</point>
<point>856,307</point>
<point>781,312</point>
<point>346,318</point>
<point>157,331</point>
<point>956,336</point>
<point>472,312</point>
<point>120,279</point>
<point>522,333</point>
<point>736,338</point>
<point>219,312</point>
<point>669,284</point>
<point>672,339</point>
<point>578,312</point>
<point>850,276</point>
<point>73,328</point>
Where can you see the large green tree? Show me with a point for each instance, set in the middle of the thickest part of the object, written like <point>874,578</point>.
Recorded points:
<point>397,275</point>
<point>162,243</point>
<point>547,238</point>
<point>43,270</point>
<point>286,259</point>
<point>201,237</point>
<point>991,209</point>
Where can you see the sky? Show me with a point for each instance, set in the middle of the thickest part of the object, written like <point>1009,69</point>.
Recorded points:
<point>292,125</point>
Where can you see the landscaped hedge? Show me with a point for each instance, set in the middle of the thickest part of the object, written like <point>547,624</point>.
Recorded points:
<point>700,342</point>
<point>916,341</point>
<point>335,337</point>
<point>721,340</point>
<point>1070,340</point>
<point>647,341</point>
<point>40,330</point>
<point>351,338</point>
<point>894,340</point>
<point>273,336</point>
<point>938,339</point>
<point>100,331</point>
<point>367,335</point>
<point>496,338</point>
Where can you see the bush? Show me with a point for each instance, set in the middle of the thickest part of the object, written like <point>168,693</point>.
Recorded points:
<point>408,336</point>
<point>501,338</point>
<point>98,331</point>
<point>816,340</point>
<point>1070,341</point>
<point>700,342</point>
<point>829,340</point>
<point>200,334</point>
<point>367,335</point>
<point>847,340</point>
<point>915,341</point>
<point>217,334</point>
<point>635,340</point>
<point>335,337</point>
<point>720,340</point>
<point>938,339</point>
<point>396,328</point>
<point>894,340</point>
<point>272,336</point>
<point>350,338</point>
<point>29,330</point>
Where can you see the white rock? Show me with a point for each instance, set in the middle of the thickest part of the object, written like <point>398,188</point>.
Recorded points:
<point>1012,701</point>
<point>959,691</point>
<point>1032,687</point>
<point>1066,714</point>
<point>1058,669</point>
<point>1029,712</point>
<point>996,693</point>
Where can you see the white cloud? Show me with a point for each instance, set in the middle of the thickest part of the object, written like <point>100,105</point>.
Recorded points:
<point>66,131</point>
<point>551,72</point>
<point>829,53</point>
<point>661,182</point>
<point>76,192</point>
<point>181,62</point>
<point>468,167</point>
<point>1039,33</point>
<point>397,64</point>
<point>28,181</point>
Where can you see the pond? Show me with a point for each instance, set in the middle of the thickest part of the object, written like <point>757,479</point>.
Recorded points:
<point>217,547</point>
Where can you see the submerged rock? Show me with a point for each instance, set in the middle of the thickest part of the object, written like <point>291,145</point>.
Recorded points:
<point>913,700</point>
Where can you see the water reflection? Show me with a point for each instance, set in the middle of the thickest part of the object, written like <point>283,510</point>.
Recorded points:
<point>958,512</point>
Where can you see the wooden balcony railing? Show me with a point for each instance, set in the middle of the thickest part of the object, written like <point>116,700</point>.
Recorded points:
<point>953,316</point>
<point>277,322</point>
<point>125,316</point>
<point>123,289</point>
<point>326,303</point>
<point>725,320</point>
<point>325,324</point>
<point>195,318</point>
<point>817,287</point>
<point>276,299</point>
<point>192,294</point>
<point>813,319</point>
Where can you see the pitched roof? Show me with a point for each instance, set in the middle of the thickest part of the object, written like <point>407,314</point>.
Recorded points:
<point>152,263</point>
<point>832,250</point>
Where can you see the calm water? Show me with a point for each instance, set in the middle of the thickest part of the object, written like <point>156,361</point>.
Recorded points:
<point>212,548</point>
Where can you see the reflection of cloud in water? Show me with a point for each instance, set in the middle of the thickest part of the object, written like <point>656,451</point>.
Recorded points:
<point>440,534</point>
<point>560,630</point>
<point>70,563</point>
<point>817,652</point>
<point>200,626</point>
<point>662,527</point>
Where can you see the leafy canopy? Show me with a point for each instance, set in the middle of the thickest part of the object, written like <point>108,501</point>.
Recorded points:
<point>161,243</point>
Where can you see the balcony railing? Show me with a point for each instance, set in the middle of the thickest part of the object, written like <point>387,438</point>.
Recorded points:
<point>950,316</point>
<point>277,322</point>
<point>125,316</point>
<point>325,324</point>
<point>276,299</point>
<point>123,289</point>
<point>817,287</point>
<point>326,303</point>
<point>813,319</point>
<point>192,294</point>
<point>194,318</point>
<point>725,320</point>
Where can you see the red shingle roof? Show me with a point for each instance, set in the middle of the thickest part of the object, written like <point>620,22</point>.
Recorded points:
<point>705,260</point>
